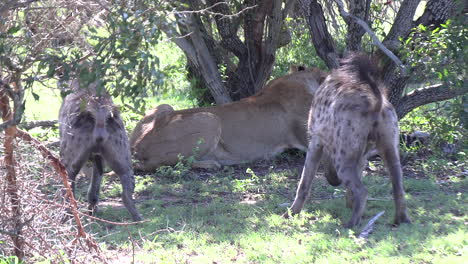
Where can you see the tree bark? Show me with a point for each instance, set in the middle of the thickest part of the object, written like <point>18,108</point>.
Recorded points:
<point>426,95</point>
<point>437,12</point>
<point>321,38</point>
<point>358,8</point>
<point>400,29</point>
<point>41,123</point>
<point>270,45</point>
<point>208,66</point>
<point>261,22</point>
<point>197,52</point>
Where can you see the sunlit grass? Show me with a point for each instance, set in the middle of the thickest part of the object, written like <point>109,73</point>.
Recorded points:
<point>204,217</point>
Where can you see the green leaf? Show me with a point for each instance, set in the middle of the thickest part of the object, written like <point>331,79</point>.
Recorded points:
<point>13,29</point>
<point>51,70</point>
<point>36,96</point>
<point>65,93</point>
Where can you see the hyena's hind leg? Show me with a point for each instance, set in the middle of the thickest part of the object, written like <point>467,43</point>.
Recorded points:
<point>349,174</point>
<point>388,148</point>
<point>117,156</point>
<point>329,171</point>
<point>314,154</point>
<point>95,186</point>
<point>73,158</point>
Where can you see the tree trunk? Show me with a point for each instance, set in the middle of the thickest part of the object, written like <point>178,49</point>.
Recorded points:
<point>360,9</point>
<point>321,38</point>
<point>195,46</point>
<point>400,30</point>
<point>261,22</point>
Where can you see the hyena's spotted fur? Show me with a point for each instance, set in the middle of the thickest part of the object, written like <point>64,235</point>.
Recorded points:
<point>91,129</point>
<point>349,116</point>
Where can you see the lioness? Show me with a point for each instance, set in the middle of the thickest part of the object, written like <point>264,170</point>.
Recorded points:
<point>256,127</point>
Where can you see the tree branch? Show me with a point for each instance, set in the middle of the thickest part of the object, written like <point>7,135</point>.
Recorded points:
<point>321,38</point>
<point>228,32</point>
<point>402,25</point>
<point>376,40</point>
<point>16,94</point>
<point>370,226</point>
<point>15,4</point>
<point>180,41</point>
<point>437,12</point>
<point>61,170</point>
<point>358,9</point>
<point>7,124</point>
<point>426,95</point>
<point>287,8</point>
<point>274,21</point>
<point>40,123</point>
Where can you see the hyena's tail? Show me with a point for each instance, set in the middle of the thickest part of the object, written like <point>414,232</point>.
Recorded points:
<point>368,73</point>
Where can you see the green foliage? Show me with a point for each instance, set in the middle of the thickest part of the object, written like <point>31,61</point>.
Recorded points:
<point>182,168</point>
<point>173,67</point>
<point>300,51</point>
<point>9,260</point>
<point>123,57</point>
<point>438,53</point>
<point>444,123</point>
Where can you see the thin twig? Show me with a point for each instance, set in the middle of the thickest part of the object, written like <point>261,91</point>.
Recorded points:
<point>376,40</point>
<point>111,222</point>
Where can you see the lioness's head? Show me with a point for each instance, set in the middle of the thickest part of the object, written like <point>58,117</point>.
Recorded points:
<point>319,74</point>
<point>141,140</point>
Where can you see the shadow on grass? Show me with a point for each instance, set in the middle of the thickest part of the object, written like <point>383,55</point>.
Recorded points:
<point>238,209</point>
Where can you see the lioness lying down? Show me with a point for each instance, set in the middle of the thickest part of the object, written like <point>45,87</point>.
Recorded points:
<point>256,127</point>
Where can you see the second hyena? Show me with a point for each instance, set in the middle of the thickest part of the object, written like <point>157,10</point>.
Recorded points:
<point>349,116</point>
<point>91,129</point>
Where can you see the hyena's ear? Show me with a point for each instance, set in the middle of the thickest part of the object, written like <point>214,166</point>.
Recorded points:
<point>296,68</point>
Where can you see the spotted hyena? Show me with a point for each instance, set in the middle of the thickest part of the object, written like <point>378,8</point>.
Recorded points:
<point>350,115</point>
<point>91,129</point>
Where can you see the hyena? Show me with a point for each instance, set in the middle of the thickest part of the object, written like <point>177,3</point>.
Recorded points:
<point>349,116</point>
<point>91,129</point>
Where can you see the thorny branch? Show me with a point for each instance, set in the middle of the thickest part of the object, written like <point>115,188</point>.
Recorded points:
<point>60,169</point>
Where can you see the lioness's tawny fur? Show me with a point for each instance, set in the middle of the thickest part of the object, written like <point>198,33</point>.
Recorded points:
<point>256,127</point>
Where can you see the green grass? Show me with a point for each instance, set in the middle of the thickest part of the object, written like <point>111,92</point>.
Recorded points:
<point>209,217</point>
<point>45,107</point>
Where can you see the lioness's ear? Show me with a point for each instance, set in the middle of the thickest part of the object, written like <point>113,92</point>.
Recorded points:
<point>296,68</point>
